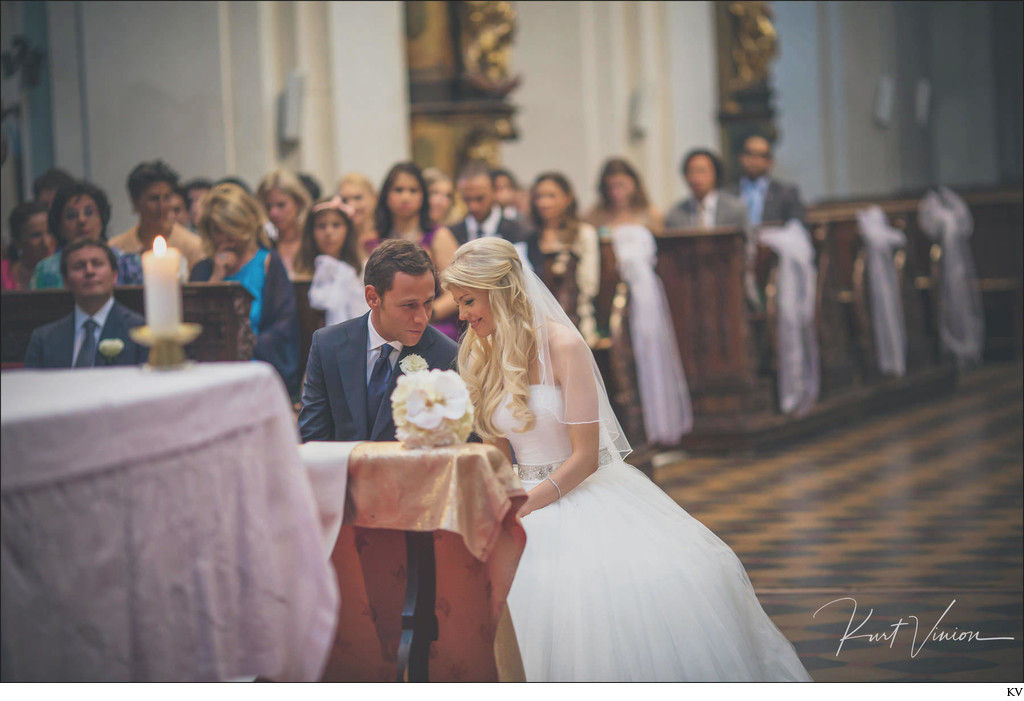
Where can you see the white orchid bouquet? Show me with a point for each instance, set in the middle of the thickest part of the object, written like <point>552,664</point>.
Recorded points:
<point>431,407</point>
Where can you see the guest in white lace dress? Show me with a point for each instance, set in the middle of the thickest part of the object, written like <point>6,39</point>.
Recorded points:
<point>329,253</point>
<point>626,217</point>
<point>617,582</point>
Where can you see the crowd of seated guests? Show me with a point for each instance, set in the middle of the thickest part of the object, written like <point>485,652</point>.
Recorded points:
<point>285,230</point>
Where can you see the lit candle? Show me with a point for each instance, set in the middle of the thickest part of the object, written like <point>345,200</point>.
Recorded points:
<point>162,289</point>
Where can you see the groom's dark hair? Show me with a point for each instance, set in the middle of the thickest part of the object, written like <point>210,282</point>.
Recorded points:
<point>396,256</point>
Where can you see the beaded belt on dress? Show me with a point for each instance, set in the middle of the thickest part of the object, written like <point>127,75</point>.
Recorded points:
<point>530,473</point>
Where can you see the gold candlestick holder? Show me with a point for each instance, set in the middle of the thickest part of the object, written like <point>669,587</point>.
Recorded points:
<point>166,349</point>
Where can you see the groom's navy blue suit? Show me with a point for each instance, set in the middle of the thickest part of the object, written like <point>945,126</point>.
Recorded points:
<point>334,393</point>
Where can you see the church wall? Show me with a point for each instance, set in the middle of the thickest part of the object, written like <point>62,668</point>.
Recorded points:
<point>800,75</point>
<point>604,79</point>
<point>834,58</point>
<point>153,89</point>
<point>963,113</point>
<point>369,88</point>
<point>694,89</point>
<point>123,94</point>
<point>867,153</point>
<point>10,22</point>
<point>554,122</point>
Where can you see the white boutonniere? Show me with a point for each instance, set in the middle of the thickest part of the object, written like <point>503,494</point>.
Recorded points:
<point>110,348</point>
<point>413,363</point>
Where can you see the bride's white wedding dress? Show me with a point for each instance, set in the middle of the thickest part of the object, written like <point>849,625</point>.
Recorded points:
<point>618,583</point>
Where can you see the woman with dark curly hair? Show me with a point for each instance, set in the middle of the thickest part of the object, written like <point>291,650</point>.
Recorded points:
<point>31,242</point>
<point>81,210</point>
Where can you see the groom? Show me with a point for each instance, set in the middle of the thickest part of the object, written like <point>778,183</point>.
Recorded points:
<point>353,366</point>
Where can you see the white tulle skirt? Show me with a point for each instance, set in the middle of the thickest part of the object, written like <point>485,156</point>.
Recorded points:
<point>618,583</point>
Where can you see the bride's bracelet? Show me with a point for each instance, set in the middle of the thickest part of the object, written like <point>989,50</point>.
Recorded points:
<point>556,486</point>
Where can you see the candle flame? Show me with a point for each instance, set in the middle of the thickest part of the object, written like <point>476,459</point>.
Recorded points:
<point>159,246</point>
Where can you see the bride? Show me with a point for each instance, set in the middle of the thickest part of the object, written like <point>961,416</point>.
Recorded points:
<point>617,582</point>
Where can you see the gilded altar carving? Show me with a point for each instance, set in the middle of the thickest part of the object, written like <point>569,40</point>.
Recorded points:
<point>458,55</point>
<point>487,31</point>
<point>747,45</point>
<point>754,42</point>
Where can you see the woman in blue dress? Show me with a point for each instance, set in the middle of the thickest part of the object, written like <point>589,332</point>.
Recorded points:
<point>232,227</point>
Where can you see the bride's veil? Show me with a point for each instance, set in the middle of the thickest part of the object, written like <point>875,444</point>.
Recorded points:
<point>563,352</point>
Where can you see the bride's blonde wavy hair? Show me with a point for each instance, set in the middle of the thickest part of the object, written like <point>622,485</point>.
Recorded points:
<point>499,363</point>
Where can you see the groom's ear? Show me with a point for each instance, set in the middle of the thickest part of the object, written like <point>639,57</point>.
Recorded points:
<point>373,299</point>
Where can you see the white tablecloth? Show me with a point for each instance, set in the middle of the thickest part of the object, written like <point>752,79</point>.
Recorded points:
<point>158,526</point>
<point>326,466</point>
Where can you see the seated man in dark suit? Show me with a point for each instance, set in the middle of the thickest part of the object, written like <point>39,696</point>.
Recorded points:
<point>89,269</point>
<point>352,367</point>
<point>768,200</point>
<point>485,216</point>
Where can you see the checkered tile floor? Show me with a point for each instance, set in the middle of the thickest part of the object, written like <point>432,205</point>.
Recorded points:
<point>911,514</point>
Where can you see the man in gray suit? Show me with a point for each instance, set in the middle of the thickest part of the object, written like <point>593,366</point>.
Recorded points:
<point>768,200</point>
<point>89,269</point>
<point>353,367</point>
<point>710,207</point>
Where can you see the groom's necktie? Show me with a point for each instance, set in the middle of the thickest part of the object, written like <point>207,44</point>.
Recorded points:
<point>87,353</point>
<point>380,379</point>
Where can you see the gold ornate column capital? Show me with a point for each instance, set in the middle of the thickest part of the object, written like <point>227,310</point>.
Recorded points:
<point>753,43</point>
<point>460,78</point>
<point>747,45</point>
<point>487,30</point>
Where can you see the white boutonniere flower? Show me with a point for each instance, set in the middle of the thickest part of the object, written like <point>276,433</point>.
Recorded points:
<point>413,363</point>
<point>110,348</point>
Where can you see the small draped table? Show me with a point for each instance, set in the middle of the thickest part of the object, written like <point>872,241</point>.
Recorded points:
<point>158,526</point>
<point>463,501</point>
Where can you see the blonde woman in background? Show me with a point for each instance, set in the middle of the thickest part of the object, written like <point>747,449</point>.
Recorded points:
<point>231,224</point>
<point>441,195</point>
<point>286,201</point>
<point>358,194</point>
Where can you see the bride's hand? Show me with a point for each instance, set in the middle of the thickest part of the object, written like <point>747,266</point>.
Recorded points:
<point>528,507</point>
